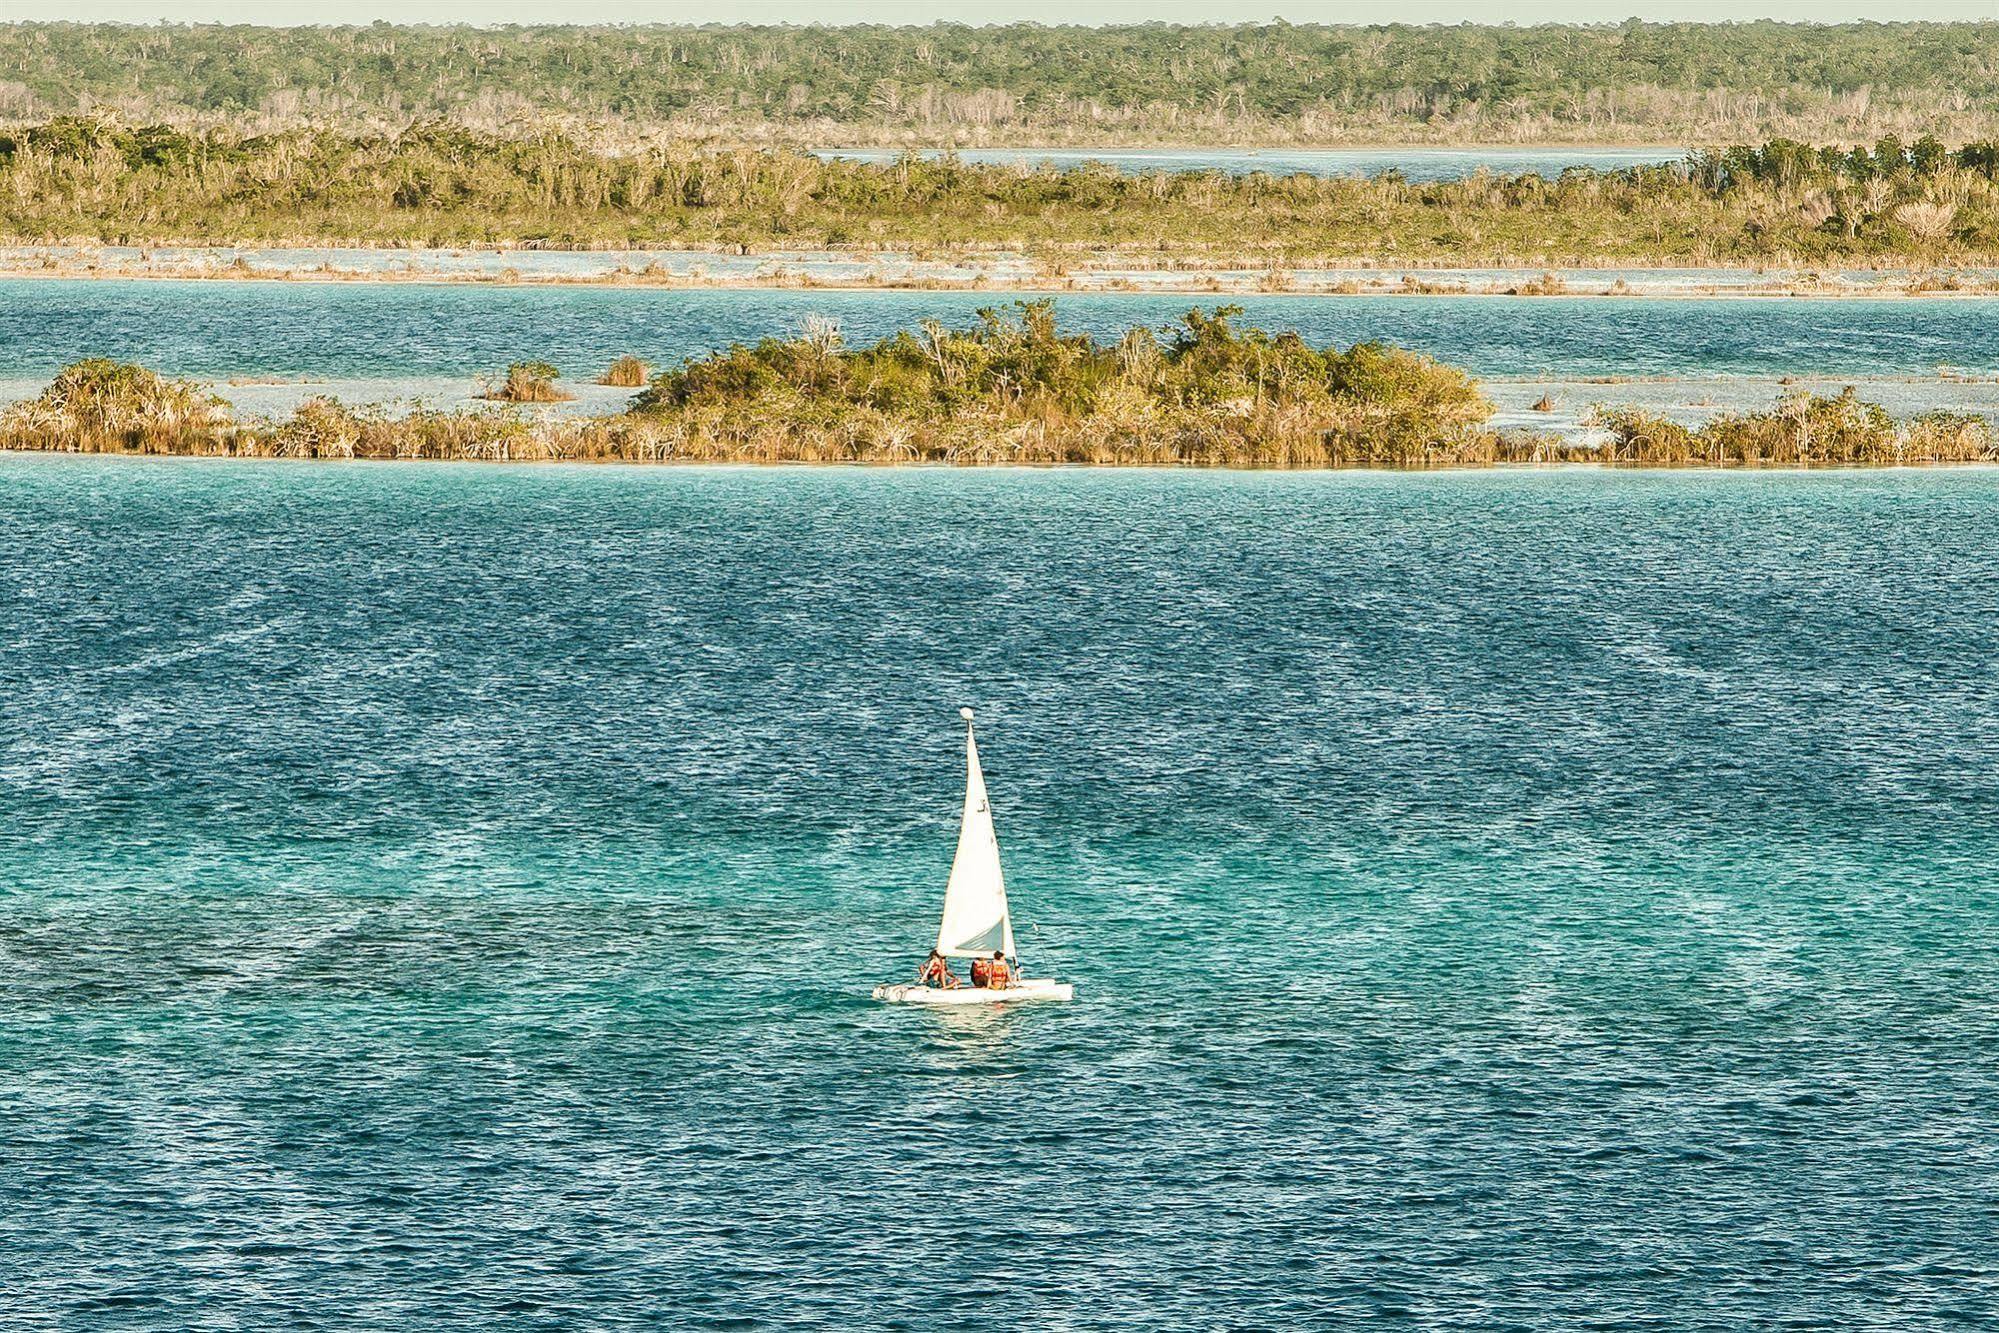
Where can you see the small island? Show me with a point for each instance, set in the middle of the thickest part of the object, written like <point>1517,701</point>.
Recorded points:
<point>1011,389</point>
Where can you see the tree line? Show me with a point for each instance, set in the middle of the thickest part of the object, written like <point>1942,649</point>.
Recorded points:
<point>956,83</point>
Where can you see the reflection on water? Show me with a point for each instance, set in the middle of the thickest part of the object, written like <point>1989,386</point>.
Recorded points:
<point>968,1038</point>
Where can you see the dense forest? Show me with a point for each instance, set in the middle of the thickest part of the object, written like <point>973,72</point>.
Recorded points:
<point>1782,202</point>
<point>957,84</point>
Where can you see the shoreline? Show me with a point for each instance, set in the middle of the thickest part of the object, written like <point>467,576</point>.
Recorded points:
<point>1582,466</point>
<point>1002,144</point>
<point>997,273</point>
<point>1557,406</point>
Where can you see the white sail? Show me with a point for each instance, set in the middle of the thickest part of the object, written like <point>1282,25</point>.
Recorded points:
<point>975,916</point>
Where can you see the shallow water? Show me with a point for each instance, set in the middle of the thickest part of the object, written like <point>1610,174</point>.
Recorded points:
<point>404,330</point>
<point>990,272</point>
<point>1508,899</point>
<point>1691,399</point>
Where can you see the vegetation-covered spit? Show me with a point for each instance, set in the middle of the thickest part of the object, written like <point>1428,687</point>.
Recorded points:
<point>104,406</point>
<point>1917,203</point>
<point>1014,389</point>
<point>1803,430</point>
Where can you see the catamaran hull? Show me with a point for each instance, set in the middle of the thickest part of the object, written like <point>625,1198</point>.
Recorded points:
<point>1023,990</point>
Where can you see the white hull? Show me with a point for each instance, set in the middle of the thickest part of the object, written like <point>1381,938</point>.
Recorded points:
<point>1020,990</point>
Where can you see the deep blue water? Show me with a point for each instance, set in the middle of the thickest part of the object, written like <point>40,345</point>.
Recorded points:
<point>1510,900</point>
<point>362,330</point>
<point>1417,164</point>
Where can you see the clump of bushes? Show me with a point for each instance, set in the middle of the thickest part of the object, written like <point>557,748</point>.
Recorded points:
<point>1016,388</point>
<point>627,372</point>
<point>325,427</point>
<point>1802,430</point>
<point>528,382</point>
<point>100,405</point>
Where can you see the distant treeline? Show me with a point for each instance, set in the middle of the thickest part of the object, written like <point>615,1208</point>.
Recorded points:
<point>1012,389</point>
<point>952,83</point>
<point>72,179</point>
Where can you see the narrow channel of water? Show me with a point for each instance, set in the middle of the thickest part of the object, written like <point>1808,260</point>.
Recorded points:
<point>405,330</point>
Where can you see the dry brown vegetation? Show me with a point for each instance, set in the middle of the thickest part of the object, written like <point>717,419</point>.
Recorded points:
<point>1803,430</point>
<point>527,382</point>
<point>102,406</point>
<point>627,372</point>
<point>1013,390</point>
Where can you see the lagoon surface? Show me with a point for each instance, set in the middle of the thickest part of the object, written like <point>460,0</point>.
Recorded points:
<point>220,329</point>
<point>1507,899</point>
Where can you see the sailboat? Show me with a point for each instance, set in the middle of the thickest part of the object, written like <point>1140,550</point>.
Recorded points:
<point>976,921</point>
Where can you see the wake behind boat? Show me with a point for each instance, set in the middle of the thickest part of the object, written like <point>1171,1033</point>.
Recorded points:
<point>976,922</point>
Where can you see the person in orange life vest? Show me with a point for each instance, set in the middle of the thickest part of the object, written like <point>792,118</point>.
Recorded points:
<point>998,974</point>
<point>982,972</point>
<point>936,972</point>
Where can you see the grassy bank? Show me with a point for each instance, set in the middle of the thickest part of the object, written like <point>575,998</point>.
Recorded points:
<point>1781,203</point>
<point>1012,389</point>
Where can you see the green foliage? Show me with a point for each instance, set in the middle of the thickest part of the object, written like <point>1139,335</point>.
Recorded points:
<point>949,82</point>
<point>1013,389</point>
<point>1780,202</point>
<point>1204,390</point>
<point>1803,430</point>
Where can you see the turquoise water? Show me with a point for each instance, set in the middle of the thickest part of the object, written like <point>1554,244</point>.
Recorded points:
<point>397,331</point>
<point>1502,900</point>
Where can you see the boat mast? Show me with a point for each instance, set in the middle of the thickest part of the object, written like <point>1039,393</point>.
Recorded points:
<point>976,921</point>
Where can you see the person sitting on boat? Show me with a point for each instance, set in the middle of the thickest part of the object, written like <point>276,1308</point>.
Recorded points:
<point>981,972</point>
<point>999,973</point>
<point>937,972</point>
